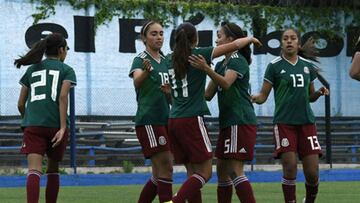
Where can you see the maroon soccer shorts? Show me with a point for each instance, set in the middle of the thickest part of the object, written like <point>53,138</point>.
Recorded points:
<point>189,140</point>
<point>236,142</point>
<point>296,138</point>
<point>38,140</point>
<point>153,139</point>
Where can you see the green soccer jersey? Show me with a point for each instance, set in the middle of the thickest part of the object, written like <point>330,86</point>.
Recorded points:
<point>153,107</point>
<point>188,93</point>
<point>235,107</point>
<point>291,84</point>
<point>44,81</point>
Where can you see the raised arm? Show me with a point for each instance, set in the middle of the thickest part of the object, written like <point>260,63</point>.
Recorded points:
<point>355,67</point>
<point>139,76</point>
<point>263,94</point>
<point>234,45</point>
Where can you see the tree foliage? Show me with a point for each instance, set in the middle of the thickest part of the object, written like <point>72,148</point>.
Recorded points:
<point>302,14</point>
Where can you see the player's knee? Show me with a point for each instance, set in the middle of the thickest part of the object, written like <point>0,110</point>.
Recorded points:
<point>222,175</point>
<point>312,177</point>
<point>206,174</point>
<point>52,168</point>
<point>290,170</point>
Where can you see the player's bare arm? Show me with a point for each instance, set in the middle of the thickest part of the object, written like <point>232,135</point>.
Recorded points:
<point>140,76</point>
<point>355,67</point>
<point>264,93</point>
<point>314,95</point>
<point>22,100</point>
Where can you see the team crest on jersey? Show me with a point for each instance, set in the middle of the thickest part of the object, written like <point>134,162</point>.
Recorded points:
<point>162,140</point>
<point>23,145</point>
<point>306,70</point>
<point>284,142</point>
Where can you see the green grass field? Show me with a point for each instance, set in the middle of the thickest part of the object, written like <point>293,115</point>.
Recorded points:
<point>329,192</point>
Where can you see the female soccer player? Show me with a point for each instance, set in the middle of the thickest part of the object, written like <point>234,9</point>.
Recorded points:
<point>43,104</point>
<point>150,76</point>
<point>292,78</point>
<point>236,115</point>
<point>355,65</point>
<point>188,135</point>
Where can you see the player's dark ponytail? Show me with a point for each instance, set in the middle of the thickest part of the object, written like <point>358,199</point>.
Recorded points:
<point>50,46</point>
<point>33,56</point>
<point>185,37</point>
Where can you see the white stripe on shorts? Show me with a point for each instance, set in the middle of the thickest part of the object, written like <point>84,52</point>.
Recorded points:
<point>151,136</point>
<point>277,136</point>
<point>204,134</point>
<point>233,139</point>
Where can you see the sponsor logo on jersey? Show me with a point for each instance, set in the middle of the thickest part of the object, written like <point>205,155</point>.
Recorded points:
<point>306,70</point>
<point>162,140</point>
<point>282,71</point>
<point>242,150</point>
<point>284,142</point>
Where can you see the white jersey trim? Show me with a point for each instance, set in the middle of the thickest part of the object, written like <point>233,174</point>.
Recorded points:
<point>141,55</point>
<point>73,83</point>
<point>277,59</point>
<point>158,61</point>
<point>268,81</point>
<point>293,64</point>
<point>22,84</point>
<point>304,59</point>
<point>239,74</point>
<point>132,71</point>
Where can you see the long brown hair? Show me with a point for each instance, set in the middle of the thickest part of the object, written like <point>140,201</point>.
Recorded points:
<point>185,37</point>
<point>308,49</point>
<point>49,45</point>
<point>234,31</point>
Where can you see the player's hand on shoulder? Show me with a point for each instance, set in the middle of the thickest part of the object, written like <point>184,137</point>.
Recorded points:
<point>198,61</point>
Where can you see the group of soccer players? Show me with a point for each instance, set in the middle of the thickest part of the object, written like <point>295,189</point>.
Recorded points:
<point>178,134</point>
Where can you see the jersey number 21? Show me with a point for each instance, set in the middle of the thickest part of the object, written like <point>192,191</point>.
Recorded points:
<point>42,82</point>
